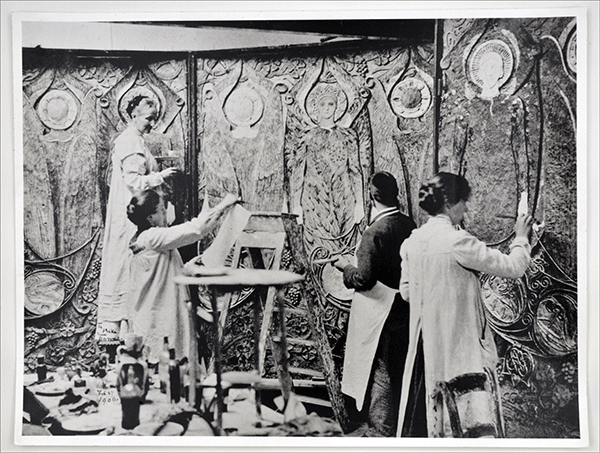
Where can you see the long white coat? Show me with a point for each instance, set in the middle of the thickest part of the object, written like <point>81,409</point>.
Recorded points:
<point>157,305</point>
<point>439,282</point>
<point>133,169</point>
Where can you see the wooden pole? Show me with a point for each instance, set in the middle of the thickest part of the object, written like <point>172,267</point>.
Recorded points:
<point>193,373</point>
<point>191,158</point>
<point>437,98</point>
<point>256,331</point>
<point>217,361</point>
<point>285,378</point>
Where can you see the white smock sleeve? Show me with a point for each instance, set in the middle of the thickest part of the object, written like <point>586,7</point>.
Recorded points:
<point>170,238</point>
<point>136,162</point>
<point>472,253</point>
<point>134,173</point>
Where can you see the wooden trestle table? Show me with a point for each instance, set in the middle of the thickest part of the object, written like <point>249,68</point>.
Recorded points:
<point>233,280</point>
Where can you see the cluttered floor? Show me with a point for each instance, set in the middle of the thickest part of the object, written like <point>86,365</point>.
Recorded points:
<point>87,405</point>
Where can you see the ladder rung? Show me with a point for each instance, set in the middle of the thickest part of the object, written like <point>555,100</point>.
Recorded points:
<point>305,371</point>
<point>270,384</point>
<point>313,400</point>
<point>277,339</point>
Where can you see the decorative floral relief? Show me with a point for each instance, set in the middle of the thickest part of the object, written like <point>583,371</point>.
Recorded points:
<point>103,76</point>
<point>538,312</point>
<point>410,98</point>
<point>67,332</point>
<point>58,109</point>
<point>293,68</point>
<point>244,104</point>
<point>539,397</point>
<point>48,287</point>
<point>454,30</point>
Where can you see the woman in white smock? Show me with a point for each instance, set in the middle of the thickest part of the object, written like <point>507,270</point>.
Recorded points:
<point>439,279</point>
<point>157,306</point>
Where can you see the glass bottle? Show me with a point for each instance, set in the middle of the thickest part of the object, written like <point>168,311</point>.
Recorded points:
<point>130,400</point>
<point>174,378</point>
<point>41,369</point>
<point>163,366</point>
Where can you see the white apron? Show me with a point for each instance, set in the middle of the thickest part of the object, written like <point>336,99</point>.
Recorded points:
<point>368,314</point>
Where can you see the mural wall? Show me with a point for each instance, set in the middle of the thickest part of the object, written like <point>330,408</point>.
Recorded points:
<point>302,136</point>
<point>508,124</point>
<point>300,133</point>
<point>73,107</point>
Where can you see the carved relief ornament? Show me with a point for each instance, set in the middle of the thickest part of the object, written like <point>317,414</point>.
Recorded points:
<point>410,98</point>
<point>57,109</point>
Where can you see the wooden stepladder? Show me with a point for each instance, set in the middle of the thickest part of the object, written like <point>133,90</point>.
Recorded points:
<point>264,239</point>
<point>264,231</point>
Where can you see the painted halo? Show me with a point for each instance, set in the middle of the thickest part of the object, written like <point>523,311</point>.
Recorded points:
<point>57,109</point>
<point>244,107</point>
<point>137,91</point>
<point>490,66</point>
<point>410,98</point>
<point>571,51</point>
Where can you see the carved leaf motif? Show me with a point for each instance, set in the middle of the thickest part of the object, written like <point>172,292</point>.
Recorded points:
<point>80,213</point>
<point>38,216</point>
<point>103,75</point>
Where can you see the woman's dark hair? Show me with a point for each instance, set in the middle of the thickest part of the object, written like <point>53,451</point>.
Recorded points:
<point>141,206</point>
<point>443,189</point>
<point>384,188</point>
<point>136,101</point>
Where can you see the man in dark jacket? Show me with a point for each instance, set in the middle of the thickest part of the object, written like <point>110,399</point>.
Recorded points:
<point>378,327</point>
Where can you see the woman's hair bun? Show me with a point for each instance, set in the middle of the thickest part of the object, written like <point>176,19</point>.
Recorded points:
<point>443,189</point>
<point>430,198</point>
<point>131,207</point>
<point>142,206</point>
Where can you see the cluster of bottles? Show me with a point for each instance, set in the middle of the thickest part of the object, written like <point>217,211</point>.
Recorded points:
<point>133,380</point>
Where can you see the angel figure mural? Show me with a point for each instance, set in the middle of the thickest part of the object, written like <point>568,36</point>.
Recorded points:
<point>326,179</point>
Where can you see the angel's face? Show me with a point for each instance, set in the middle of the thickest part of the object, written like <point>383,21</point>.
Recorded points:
<point>326,106</point>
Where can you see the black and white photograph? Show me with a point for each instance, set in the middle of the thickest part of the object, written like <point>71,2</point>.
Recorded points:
<point>361,225</point>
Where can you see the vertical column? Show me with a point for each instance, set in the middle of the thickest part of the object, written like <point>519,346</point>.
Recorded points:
<point>191,155</point>
<point>438,85</point>
<point>256,331</point>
